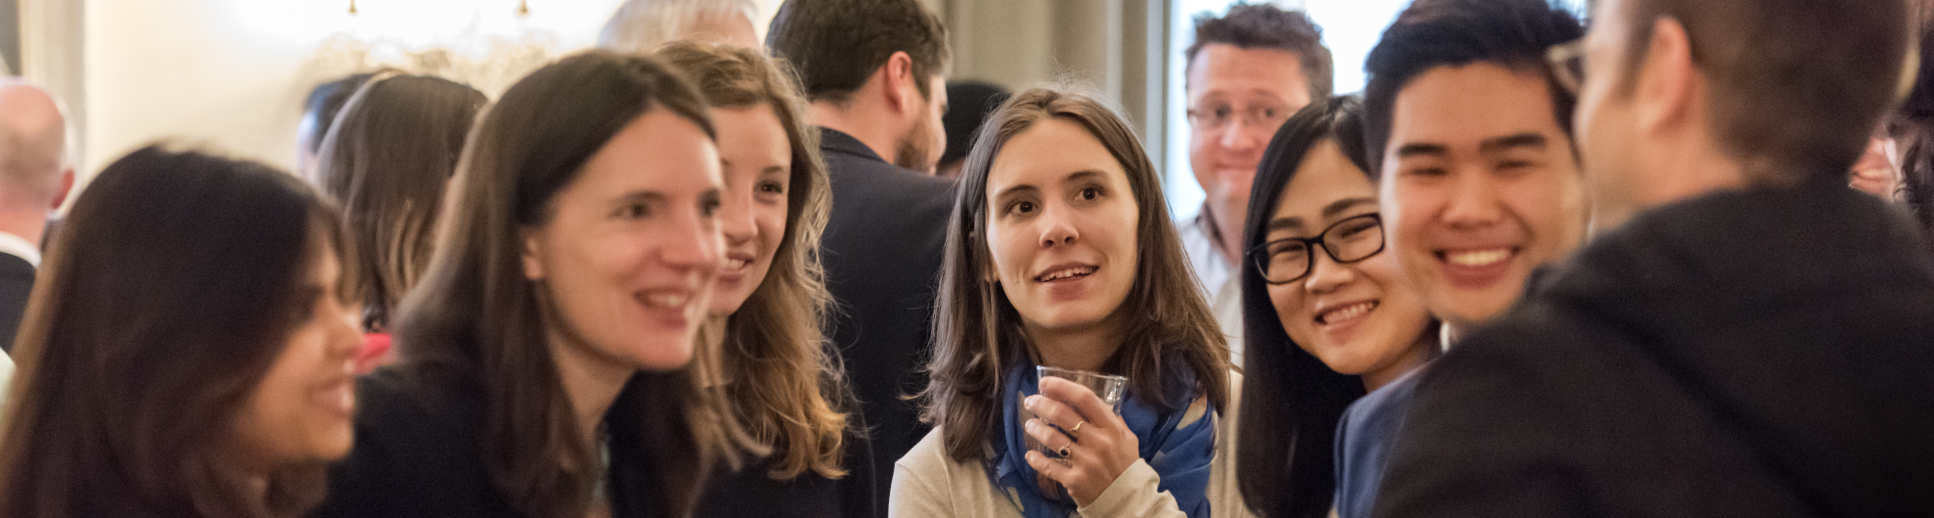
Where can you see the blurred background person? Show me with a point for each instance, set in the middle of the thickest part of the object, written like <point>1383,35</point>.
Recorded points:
<point>969,104</point>
<point>1469,134</point>
<point>544,352</point>
<point>1330,317</point>
<point>644,25</point>
<point>385,163</point>
<point>874,73</point>
<point>35,177</point>
<point>1247,71</point>
<point>1746,336</point>
<point>190,351</point>
<point>763,344</point>
<point>1060,254</point>
<point>319,110</point>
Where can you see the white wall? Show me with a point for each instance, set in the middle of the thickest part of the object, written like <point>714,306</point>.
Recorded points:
<point>231,74</point>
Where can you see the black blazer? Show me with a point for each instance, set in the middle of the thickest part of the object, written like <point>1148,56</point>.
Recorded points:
<point>882,255</point>
<point>16,283</point>
<point>417,454</point>
<point>1756,353</point>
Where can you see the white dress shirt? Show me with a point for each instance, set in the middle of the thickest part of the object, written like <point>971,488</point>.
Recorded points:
<point>1219,280</point>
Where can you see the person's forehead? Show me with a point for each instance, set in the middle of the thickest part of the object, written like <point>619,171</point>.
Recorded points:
<point>1223,69</point>
<point>1462,106</point>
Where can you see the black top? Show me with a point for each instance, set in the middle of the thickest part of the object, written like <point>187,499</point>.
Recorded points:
<point>1755,353</point>
<point>882,256</point>
<point>16,283</point>
<point>750,493</point>
<point>417,454</point>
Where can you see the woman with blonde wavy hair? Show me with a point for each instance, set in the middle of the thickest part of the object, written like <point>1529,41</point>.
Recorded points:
<point>765,351</point>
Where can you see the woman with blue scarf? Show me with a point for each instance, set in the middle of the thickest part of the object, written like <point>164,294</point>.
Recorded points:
<point>1060,254</point>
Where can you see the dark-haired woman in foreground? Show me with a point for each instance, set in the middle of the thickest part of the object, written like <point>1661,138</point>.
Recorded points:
<point>541,359</point>
<point>385,161</point>
<point>1327,315</point>
<point>1060,253</point>
<point>187,350</point>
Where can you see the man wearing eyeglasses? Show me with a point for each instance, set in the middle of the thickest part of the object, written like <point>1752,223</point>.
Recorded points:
<point>1246,73</point>
<point>1746,336</point>
<point>1469,135</point>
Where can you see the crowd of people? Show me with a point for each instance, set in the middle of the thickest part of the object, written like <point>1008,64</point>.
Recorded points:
<point>1672,263</point>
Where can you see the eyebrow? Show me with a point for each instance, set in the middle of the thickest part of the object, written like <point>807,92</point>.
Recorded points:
<point>1329,211</point>
<point>1084,174</point>
<point>1409,150</point>
<point>648,197</point>
<point>1521,140</point>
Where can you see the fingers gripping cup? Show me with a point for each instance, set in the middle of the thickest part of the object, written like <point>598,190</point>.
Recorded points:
<point>1107,387</point>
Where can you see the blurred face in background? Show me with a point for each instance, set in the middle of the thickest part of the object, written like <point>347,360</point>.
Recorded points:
<point>1237,97</point>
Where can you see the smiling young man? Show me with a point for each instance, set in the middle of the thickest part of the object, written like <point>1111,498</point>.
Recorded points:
<point>1748,336</point>
<point>1470,138</point>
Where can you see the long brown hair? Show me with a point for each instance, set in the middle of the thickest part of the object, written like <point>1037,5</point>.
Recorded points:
<point>162,306</point>
<point>977,333</point>
<point>772,358</point>
<point>476,314</point>
<point>385,161</point>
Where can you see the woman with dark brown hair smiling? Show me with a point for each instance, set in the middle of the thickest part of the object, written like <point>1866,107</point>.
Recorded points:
<point>1060,254</point>
<point>542,354</point>
<point>187,350</point>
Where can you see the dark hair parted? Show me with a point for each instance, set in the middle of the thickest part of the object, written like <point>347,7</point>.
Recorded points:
<point>385,162</point>
<point>978,335</point>
<point>1796,86</point>
<point>476,314</point>
<point>178,281</point>
<point>837,44</point>
<point>1452,33</point>
<point>1265,26</point>
<point>773,361</point>
<point>325,101</point>
<point>1291,399</point>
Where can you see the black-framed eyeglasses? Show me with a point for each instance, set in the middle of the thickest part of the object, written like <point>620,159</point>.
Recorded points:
<point>1567,63</point>
<point>1288,260</point>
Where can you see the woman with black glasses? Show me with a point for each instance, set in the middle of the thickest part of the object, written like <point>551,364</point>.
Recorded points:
<point>1326,315</point>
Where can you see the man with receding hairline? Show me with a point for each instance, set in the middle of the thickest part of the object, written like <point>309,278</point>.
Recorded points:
<point>34,180</point>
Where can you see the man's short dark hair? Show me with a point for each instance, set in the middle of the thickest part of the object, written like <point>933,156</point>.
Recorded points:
<point>1796,86</point>
<point>1264,26</point>
<point>837,44</point>
<point>325,100</point>
<point>1449,33</point>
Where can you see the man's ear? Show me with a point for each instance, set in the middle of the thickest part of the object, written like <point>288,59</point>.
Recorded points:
<point>902,93</point>
<point>1668,83</point>
<point>66,186</point>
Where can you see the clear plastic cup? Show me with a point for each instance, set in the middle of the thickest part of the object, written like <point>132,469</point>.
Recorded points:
<point>1106,386</point>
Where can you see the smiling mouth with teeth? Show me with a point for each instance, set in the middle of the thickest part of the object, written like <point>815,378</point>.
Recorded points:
<point>1346,313</point>
<point>737,264</point>
<point>1477,257</point>
<point>664,300</point>
<point>1066,273</point>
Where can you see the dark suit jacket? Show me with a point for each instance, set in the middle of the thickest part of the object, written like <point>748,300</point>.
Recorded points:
<point>882,255</point>
<point>1756,353</point>
<point>16,283</point>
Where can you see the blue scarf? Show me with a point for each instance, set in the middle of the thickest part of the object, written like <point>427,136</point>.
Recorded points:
<point>1180,456</point>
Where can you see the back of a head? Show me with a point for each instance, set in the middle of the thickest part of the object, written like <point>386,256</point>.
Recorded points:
<point>144,379</point>
<point>644,25</point>
<point>385,163</point>
<point>1265,26</point>
<point>322,105</point>
<point>1450,33</point>
<point>968,104</point>
<point>33,147</point>
<point>837,44</point>
<point>1794,87</point>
